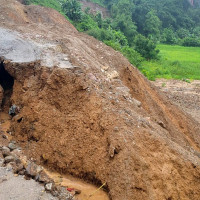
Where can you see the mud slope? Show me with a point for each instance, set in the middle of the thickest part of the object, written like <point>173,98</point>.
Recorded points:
<point>85,110</point>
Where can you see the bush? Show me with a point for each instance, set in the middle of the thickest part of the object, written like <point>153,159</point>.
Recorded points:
<point>146,47</point>
<point>72,9</point>
<point>133,56</point>
<point>191,42</point>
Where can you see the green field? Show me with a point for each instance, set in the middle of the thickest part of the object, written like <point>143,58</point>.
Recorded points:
<point>176,62</point>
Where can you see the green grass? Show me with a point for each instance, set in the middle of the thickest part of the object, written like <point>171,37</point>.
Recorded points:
<point>176,62</point>
<point>47,3</point>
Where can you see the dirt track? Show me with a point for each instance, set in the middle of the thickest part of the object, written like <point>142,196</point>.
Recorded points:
<point>100,120</point>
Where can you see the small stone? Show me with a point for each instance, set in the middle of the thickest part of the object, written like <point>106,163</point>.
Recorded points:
<point>5,151</point>
<point>31,169</point>
<point>12,146</point>
<point>48,186</point>
<point>8,167</point>
<point>42,177</point>
<point>8,159</point>
<point>18,167</point>
<point>22,172</point>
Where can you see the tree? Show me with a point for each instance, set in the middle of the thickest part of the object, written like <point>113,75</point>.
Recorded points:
<point>72,9</point>
<point>152,26</point>
<point>168,36</point>
<point>146,47</point>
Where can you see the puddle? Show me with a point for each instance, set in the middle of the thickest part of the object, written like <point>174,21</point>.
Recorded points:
<point>86,188</point>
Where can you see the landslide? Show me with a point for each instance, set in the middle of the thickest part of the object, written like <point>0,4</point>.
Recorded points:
<point>98,118</point>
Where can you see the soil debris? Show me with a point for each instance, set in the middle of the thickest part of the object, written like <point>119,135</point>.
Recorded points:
<point>94,115</point>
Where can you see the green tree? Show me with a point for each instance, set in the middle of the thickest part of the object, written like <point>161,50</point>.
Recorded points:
<point>146,47</point>
<point>72,9</point>
<point>152,26</point>
<point>168,36</point>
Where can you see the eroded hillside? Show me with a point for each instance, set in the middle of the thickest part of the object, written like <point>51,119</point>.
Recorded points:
<point>85,110</point>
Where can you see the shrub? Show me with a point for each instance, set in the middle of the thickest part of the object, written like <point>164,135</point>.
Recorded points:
<point>191,42</point>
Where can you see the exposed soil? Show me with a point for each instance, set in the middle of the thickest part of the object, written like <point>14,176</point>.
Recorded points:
<point>185,95</point>
<point>95,8</point>
<point>96,116</point>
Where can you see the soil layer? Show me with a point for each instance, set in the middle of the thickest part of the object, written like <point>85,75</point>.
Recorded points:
<point>97,118</point>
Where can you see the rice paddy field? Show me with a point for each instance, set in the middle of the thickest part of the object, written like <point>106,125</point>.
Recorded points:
<point>176,62</point>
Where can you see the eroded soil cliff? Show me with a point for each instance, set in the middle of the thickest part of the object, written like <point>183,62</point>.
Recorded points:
<point>85,110</point>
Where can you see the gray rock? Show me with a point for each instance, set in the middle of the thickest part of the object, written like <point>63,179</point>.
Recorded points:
<point>12,146</point>
<point>49,186</point>
<point>8,167</point>
<point>5,151</point>
<point>8,159</point>
<point>42,177</point>
<point>32,169</point>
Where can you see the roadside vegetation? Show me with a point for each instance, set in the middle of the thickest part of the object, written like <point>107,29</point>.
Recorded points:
<point>140,28</point>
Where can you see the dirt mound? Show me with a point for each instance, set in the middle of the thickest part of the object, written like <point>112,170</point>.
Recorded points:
<point>100,120</point>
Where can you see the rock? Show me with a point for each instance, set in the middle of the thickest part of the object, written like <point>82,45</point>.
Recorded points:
<point>136,102</point>
<point>8,159</point>
<point>32,169</point>
<point>62,193</point>
<point>22,172</point>
<point>17,168</point>
<point>49,186</point>
<point>42,177</point>
<point>12,146</point>
<point>8,167</point>
<point>5,151</point>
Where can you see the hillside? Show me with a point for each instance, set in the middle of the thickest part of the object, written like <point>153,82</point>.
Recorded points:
<point>85,110</point>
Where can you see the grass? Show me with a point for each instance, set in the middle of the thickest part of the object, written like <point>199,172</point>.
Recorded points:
<point>47,3</point>
<point>176,62</point>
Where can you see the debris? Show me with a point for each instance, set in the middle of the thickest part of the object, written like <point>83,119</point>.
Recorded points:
<point>42,177</point>
<point>12,146</point>
<point>70,189</point>
<point>5,151</point>
<point>13,110</point>
<point>32,169</point>
<point>49,186</point>
<point>8,159</point>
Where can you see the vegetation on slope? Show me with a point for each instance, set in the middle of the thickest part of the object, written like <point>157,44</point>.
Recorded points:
<point>136,27</point>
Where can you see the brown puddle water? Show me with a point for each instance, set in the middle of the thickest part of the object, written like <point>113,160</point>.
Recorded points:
<point>86,188</point>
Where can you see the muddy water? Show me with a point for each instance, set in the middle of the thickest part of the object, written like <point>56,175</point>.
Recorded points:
<point>86,189</point>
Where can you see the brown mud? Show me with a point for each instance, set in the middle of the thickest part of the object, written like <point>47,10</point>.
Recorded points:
<point>88,191</point>
<point>98,119</point>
